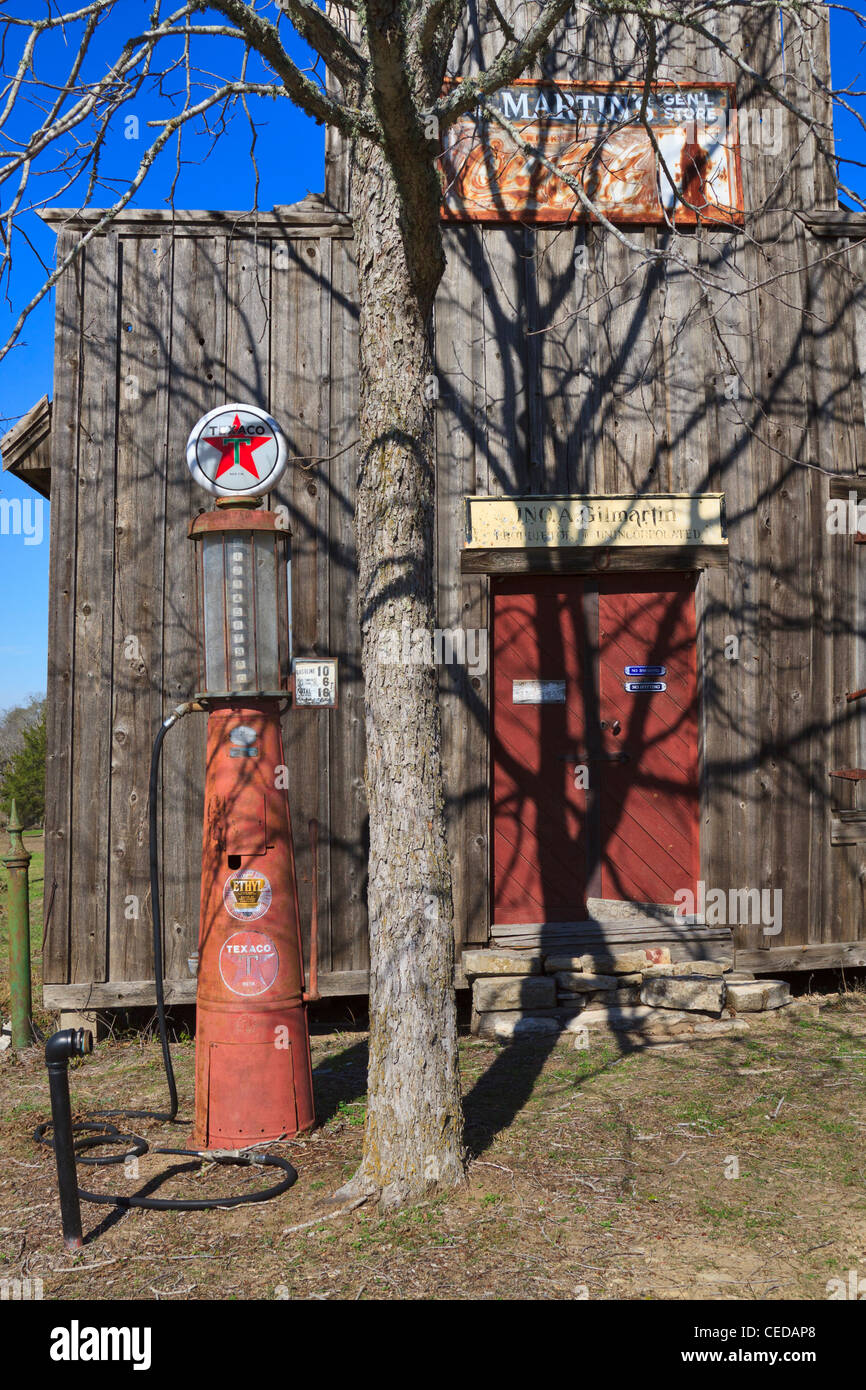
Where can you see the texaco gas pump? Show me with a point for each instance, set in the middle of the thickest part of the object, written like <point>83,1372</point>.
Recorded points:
<point>253,1075</point>
<point>253,1070</point>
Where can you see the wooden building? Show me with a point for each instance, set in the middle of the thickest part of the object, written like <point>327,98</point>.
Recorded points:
<point>565,369</point>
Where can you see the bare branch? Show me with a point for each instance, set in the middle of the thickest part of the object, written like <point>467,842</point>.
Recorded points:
<point>169,128</point>
<point>327,38</point>
<point>264,37</point>
<point>510,63</point>
<point>432,26</point>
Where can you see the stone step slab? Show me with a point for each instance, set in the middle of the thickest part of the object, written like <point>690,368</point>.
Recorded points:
<point>604,999</point>
<point>636,1018</point>
<point>502,962</point>
<point>600,999</point>
<point>580,982</point>
<point>690,967</point>
<point>671,1026</point>
<point>696,994</point>
<point>629,995</point>
<point>715,1027</point>
<point>512,1026</point>
<point>645,1024</point>
<point>754,996</point>
<point>491,993</point>
<point>609,961</point>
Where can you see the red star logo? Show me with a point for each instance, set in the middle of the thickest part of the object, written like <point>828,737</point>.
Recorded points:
<point>236,447</point>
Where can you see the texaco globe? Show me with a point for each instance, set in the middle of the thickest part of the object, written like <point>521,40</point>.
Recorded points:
<point>237,451</point>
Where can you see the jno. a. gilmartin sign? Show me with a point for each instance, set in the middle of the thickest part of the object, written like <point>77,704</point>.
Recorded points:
<point>668,519</point>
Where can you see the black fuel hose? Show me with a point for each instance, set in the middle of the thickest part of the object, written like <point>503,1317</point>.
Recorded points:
<point>155,912</point>
<point>99,1128</point>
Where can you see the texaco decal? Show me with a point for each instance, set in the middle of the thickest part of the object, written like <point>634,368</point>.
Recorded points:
<point>249,963</point>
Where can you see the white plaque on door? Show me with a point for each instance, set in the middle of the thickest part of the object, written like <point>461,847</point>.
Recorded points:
<point>538,692</point>
<point>644,687</point>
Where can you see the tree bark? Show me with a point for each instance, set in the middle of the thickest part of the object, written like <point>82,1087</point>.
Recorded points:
<point>413,1137</point>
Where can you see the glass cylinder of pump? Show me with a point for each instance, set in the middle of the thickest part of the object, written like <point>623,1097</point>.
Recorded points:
<point>241,567</point>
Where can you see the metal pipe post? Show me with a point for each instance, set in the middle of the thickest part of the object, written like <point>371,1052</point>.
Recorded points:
<point>17,863</point>
<point>60,1047</point>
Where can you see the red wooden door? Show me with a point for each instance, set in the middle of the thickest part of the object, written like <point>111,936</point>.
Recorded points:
<point>539,813</point>
<point>595,786</point>
<point>649,805</point>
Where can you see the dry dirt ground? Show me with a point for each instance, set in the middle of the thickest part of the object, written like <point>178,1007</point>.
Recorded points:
<point>600,1175</point>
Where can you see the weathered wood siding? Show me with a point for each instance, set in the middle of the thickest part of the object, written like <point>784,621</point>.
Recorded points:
<point>563,365</point>
<point>154,327</point>
<point>573,367</point>
<point>630,388</point>
<point>568,365</point>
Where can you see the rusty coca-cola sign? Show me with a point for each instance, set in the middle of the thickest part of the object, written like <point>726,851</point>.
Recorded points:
<point>596,134</point>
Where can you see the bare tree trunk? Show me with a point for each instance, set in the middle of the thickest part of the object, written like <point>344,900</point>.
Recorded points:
<point>414,1131</point>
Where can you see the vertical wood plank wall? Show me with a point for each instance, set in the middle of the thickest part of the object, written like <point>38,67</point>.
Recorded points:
<point>624,378</point>
<point>155,327</point>
<point>560,368</point>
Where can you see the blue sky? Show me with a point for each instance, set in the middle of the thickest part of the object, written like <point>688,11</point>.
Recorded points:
<point>290,156</point>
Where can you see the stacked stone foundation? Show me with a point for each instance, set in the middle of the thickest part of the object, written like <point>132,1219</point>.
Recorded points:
<point>634,991</point>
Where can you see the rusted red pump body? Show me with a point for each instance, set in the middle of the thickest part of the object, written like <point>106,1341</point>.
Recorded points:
<point>253,1069</point>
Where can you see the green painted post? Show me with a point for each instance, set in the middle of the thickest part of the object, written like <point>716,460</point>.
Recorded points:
<point>17,862</point>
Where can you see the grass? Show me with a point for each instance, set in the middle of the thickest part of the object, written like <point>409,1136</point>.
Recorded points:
<point>602,1169</point>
